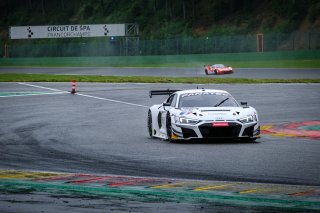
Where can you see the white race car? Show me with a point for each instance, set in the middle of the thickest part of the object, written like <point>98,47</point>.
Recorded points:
<point>201,113</point>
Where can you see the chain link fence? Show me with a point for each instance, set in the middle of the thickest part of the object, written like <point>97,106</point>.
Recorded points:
<point>216,44</point>
<point>70,49</point>
<point>2,45</point>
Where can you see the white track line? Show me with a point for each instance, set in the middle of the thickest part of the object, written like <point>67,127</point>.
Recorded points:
<point>111,100</point>
<point>51,93</point>
<point>31,85</point>
<point>88,96</point>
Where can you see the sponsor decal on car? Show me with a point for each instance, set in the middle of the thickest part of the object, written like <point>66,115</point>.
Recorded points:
<point>202,93</point>
<point>220,124</point>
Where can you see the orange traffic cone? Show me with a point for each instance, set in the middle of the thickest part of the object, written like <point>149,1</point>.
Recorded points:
<point>73,90</point>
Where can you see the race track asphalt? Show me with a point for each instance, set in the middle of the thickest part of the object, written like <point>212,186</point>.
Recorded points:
<point>264,73</point>
<point>103,130</point>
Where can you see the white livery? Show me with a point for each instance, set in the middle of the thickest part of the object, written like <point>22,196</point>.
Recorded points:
<point>202,113</point>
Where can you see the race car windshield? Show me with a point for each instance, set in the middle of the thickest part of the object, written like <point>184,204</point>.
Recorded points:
<point>220,66</point>
<point>207,99</point>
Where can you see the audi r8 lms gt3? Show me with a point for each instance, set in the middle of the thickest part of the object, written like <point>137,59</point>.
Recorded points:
<point>217,69</point>
<point>202,113</point>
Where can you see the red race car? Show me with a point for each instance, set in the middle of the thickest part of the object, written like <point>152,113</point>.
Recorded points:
<point>217,69</point>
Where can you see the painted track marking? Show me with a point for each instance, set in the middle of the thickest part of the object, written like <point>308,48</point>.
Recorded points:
<point>88,96</point>
<point>212,187</point>
<point>112,100</point>
<point>305,193</point>
<point>131,182</point>
<point>91,180</point>
<point>301,197</point>
<point>47,88</point>
<point>31,94</point>
<point>250,191</point>
<point>170,185</point>
<point>309,129</point>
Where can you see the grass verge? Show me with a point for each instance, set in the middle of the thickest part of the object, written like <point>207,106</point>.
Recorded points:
<point>293,59</point>
<point>141,79</point>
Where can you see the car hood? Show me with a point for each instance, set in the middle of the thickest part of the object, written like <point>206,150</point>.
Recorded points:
<point>224,68</point>
<point>215,113</point>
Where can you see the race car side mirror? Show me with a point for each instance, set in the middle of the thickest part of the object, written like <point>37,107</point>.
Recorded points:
<point>165,104</point>
<point>244,104</point>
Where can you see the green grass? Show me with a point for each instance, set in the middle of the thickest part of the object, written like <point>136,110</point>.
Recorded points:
<point>293,59</point>
<point>141,79</point>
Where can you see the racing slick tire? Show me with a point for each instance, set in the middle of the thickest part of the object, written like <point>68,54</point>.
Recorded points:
<point>249,140</point>
<point>169,127</point>
<point>215,72</point>
<point>206,71</point>
<point>149,123</point>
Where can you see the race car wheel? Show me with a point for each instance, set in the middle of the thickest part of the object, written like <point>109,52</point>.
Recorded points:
<point>249,140</point>
<point>215,72</point>
<point>206,71</point>
<point>149,123</point>
<point>169,127</point>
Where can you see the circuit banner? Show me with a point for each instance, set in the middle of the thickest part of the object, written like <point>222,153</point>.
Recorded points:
<point>66,31</point>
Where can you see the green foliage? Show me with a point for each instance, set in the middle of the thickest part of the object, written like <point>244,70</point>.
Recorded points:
<point>166,18</point>
<point>314,12</point>
<point>12,77</point>
<point>285,59</point>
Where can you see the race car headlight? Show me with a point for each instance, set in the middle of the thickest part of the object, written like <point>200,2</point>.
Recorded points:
<point>247,119</point>
<point>184,120</point>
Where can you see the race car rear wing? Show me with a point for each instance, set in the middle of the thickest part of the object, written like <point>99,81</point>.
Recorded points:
<point>162,92</point>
